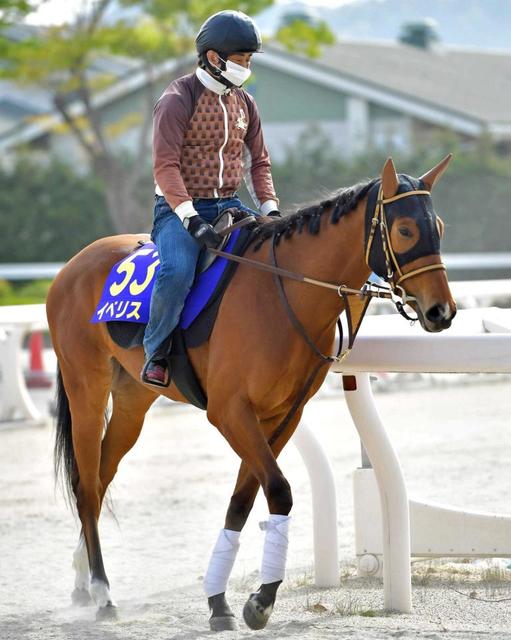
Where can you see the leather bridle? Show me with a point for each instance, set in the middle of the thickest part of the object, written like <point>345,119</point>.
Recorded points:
<point>396,293</point>
<point>392,265</point>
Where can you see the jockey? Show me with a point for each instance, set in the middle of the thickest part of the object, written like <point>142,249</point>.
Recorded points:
<point>207,137</point>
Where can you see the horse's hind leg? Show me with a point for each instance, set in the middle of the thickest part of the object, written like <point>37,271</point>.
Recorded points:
<point>130,403</point>
<point>80,595</point>
<point>88,396</point>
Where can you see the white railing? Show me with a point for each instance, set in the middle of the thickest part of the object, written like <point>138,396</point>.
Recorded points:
<point>479,341</point>
<point>487,261</point>
<point>16,404</point>
<point>17,320</point>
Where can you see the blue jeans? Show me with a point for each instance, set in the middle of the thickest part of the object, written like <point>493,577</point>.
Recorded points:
<point>178,253</point>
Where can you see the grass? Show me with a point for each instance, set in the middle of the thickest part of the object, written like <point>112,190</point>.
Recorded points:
<point>315,607</point>
<point>421,576</point>
<point>495,574</point>
<point>33,292</point>
<point>486,581</point>
<point>305,579</point>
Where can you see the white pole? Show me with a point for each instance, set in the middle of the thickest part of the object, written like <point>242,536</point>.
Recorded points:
<point>393,495</point>
<point>324,506</point>
<point>15,401</point>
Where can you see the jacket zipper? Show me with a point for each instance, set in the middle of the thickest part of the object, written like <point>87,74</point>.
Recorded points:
<point>221,152</point>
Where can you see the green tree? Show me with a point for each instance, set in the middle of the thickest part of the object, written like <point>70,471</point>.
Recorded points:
<point>59,60</point>
<point>302,35</point>
<point>13,10</point>
<point>421,34</point>
<point>472,198</point>
<point>49,213</point>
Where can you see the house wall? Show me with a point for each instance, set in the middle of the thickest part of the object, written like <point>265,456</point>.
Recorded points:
<point>290,106</point>
<point>283,98</point>
<point>121,119</point>
<point>7,121</point>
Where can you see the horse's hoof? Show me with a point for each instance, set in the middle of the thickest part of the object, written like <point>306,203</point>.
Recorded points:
<point>223,623</point>
<point>81,597</point>
<point>255,614</point>
<point>108,612</point>
<point>222,618</point>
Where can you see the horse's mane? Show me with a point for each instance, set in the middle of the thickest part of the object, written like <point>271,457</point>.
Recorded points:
<point>308,217</point>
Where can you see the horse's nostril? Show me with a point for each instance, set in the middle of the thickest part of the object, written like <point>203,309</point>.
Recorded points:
<point>435,313</point>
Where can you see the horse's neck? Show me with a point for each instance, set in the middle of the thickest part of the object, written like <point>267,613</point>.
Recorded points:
<point>335,254</point>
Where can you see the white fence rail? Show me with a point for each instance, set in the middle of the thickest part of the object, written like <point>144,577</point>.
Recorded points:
<point>460,262</point>
<point>16,406</point>
<point>479,341</point>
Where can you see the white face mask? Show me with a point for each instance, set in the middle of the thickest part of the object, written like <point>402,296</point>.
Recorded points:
<point>235,73</point>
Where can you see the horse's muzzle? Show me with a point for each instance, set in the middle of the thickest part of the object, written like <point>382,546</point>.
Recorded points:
<point>438,317</point>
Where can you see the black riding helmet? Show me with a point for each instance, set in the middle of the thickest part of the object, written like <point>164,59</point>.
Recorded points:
<point>228,32</point>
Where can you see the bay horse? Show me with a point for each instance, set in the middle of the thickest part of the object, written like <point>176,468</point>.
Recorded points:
<point>252,368</point>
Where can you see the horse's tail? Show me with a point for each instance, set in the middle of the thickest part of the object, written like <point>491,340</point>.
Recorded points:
<point>64,455</point>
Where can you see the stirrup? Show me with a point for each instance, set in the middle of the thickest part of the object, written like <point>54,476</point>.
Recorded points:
<point>152,382</point>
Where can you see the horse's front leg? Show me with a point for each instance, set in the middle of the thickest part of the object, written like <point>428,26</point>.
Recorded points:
<point>225,550</point>
<point>259,606</point>
<point>259,467</point>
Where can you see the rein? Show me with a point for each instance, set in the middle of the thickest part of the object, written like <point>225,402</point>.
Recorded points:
<point>366,291</point>
<point>323,360</point>
<point>396,293</point>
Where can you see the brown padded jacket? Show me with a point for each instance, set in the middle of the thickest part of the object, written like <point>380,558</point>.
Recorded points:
<point>205,143</point>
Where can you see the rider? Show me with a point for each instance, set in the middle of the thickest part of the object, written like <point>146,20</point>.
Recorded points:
<point>207,137</point>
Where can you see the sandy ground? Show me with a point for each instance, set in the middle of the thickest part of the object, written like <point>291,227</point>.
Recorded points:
<point>170,496</point>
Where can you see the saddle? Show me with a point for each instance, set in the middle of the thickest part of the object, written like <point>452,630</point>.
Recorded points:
<point>212,277</point>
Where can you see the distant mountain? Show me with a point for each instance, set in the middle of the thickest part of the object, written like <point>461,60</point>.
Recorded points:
<point>474,23</point>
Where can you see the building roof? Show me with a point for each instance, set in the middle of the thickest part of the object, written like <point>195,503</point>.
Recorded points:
<point>473,84</point>
<point>23,104</point>
<point>466,90</point>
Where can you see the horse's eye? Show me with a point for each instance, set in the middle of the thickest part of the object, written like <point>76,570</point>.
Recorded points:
<point>405,231</point>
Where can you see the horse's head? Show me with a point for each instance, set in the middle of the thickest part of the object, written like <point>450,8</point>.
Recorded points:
<point>403,236</point>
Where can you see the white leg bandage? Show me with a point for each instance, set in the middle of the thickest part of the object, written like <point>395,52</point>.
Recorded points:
<point>81,566</point>
<point>221,562</point>
<point>101,594</point>
<point>273,566</point>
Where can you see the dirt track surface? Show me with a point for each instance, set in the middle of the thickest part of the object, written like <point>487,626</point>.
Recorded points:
<point>170,496</point>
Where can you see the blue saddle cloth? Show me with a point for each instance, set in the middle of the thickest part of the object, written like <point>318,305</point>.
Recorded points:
<point>127,291</point>
<point>124,307</point>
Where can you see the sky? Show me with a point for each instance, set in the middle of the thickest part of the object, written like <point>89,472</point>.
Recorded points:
<point>58,11</point>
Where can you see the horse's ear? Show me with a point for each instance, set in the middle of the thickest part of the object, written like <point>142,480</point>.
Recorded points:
<point>389,179</point>
<point>433,175</point>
